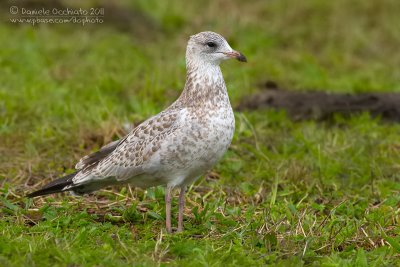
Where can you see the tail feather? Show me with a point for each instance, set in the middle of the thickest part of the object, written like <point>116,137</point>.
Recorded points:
<point>54,186</point>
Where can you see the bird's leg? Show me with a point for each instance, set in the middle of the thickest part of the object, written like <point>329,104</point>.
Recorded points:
<point>168,209</point>
<point>181,206</point>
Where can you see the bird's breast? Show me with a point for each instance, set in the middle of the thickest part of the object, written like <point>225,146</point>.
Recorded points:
<point>208,135</point>
<point>214,126</point>
<point>200,142</point>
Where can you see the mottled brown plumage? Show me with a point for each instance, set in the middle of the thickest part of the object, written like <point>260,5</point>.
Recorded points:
<point>176,146</point>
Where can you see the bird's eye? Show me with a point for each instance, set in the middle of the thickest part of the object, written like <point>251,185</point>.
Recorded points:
<point>211,44</point>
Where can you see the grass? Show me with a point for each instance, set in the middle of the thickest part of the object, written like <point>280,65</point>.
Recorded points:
<point>286,193</point>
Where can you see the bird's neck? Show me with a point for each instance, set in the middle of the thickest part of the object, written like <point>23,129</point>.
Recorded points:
<point>204,85</point>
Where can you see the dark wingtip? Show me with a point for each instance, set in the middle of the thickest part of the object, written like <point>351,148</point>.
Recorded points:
<point>43,192</point>
<point>34,194</point>
<point>241,58</point>
<point>55,186</point>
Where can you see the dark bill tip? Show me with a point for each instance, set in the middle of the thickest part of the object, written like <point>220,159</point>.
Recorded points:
<point>241,57</point>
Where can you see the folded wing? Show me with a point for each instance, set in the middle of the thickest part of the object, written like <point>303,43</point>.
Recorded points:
<point>125,158</point>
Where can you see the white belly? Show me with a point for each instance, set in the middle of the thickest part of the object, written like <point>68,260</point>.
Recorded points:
<point>195,149</point>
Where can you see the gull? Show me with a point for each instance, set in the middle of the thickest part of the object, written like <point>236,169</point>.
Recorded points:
<point>175,147</point>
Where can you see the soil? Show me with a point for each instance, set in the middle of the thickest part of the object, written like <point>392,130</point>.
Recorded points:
<point>322,105</point>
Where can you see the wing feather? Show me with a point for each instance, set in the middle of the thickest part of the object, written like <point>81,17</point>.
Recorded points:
<point>95,157</point>
<point>125,158</point>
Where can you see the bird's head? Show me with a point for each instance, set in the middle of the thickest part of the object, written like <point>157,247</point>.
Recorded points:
<point>210,47</point>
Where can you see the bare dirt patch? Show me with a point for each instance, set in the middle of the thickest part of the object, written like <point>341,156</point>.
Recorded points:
<point>322,105</point>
